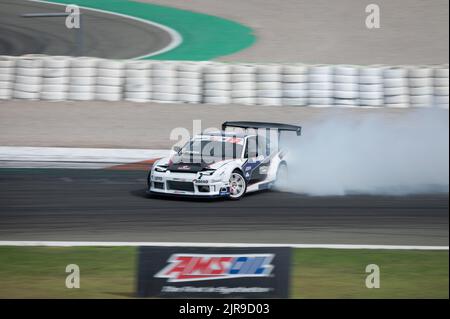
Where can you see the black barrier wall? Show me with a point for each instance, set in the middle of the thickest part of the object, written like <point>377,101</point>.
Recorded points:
<point>213,272</point>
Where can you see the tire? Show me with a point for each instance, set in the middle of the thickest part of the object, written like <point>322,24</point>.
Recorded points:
<point>276,77</point>
<point>294,78</point>
<point>346,70</point>
<point>282,177</point>
<point>244,100</point>
<point>269,101</point>
<point>189,98</point>
<point>295,94</point>
<point>197,90</point>
<point>250,77</point>
<point>189,75</point>
<point>269,93</point>
<point>295,69</point>
<point>164,81</point>
<point>132,73</point>
<point>295,101</point>
<point>237,86</point>
<point>242,69</point>
<point>240,185</point>
<point>242,94</point>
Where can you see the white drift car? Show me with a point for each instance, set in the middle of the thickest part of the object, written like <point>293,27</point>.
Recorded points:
<point>224,164</point>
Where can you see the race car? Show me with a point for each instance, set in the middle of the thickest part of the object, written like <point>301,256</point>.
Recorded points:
<point>224,163</point>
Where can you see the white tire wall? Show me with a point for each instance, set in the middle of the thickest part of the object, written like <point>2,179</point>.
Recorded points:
<point>217,83</point>
<point>138,84</point>
<point>269,90</point>
<point>243,84</point>
<point>7,77</point>
<point>396,87</point>
<point>420,80</point>
<point>294,85</point>
<point>82,79</point>
<point>190,83</point>
<point>441,86</point>
<point>320,86</point>
<point>109,80</point>
<point>57,78</point>
<point>346,85</point>
<point>28,80</point>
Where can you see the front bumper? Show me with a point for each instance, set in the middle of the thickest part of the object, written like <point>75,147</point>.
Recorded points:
<point>186,184</point>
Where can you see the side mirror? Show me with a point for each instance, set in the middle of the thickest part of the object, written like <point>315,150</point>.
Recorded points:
<point>177,149</point>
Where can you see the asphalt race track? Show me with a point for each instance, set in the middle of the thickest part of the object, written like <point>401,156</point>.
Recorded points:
<point>104,35</point>
<point>111,205</point>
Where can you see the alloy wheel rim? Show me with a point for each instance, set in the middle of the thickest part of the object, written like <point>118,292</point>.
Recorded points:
<point>237,185</point>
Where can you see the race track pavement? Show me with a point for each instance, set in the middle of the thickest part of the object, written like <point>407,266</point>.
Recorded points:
<point>108,205</point>
<point>104,35</point>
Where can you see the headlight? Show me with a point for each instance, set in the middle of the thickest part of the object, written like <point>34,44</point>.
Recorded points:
<point>208,172</point>
<point>160,169</point>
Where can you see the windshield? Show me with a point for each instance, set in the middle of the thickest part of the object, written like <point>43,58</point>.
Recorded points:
<point>214,146</point>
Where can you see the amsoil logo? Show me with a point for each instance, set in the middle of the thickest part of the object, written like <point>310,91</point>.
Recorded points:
<point>196,267</point>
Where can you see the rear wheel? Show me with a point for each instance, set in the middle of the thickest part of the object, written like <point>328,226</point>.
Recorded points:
<point>238,185</point>
<point>281,182</point>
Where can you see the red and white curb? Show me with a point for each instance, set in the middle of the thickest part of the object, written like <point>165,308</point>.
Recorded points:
<point>64,157</point>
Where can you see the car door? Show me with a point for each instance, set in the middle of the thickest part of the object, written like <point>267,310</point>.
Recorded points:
<point>255,167</point>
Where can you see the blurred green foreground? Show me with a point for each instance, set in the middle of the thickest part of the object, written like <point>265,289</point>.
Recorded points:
<point>39,272</point>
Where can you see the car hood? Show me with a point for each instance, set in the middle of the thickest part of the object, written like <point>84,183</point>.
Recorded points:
<point>193,163</point>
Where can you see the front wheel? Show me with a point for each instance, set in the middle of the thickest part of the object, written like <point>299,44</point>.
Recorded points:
<point>238,185</point>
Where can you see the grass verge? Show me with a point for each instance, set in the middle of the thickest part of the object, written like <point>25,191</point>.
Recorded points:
<point>39,272</point>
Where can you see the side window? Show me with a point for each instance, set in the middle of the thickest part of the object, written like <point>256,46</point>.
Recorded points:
<point>251,149</point>
<point>262,147</point>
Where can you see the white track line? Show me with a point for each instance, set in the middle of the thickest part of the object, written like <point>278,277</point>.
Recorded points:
<point>177,39</point>
<point>183,244</point>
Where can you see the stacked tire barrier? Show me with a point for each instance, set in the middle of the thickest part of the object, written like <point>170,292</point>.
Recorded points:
<point>420,82</point>
<point>60,78</point>
<point>190,83</point>
<point>440,84</point>
<point>243,84</point>
<point>138,85</point>
<point>370,85</point>
<point>7,77</point>
<point>55,79</point>
<point>109,80</point>
<point>320,85</point>
<point>217,84</point>
<point>164,82</point>
<point>294,85</point>
<point>269,85</point>
<point>346,86</point>
<point>82,79</point>
<point>28,78</point>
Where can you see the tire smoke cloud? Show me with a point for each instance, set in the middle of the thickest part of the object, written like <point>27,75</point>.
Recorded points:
<point>403,154</point>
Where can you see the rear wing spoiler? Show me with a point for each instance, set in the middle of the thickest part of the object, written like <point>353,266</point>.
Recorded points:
<point>263,125</point>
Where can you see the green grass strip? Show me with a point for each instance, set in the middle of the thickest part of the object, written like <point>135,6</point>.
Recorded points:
<point>109,272</point>
<point>205,37</point>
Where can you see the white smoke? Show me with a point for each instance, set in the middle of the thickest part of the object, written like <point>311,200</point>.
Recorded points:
<point>377,154</point>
